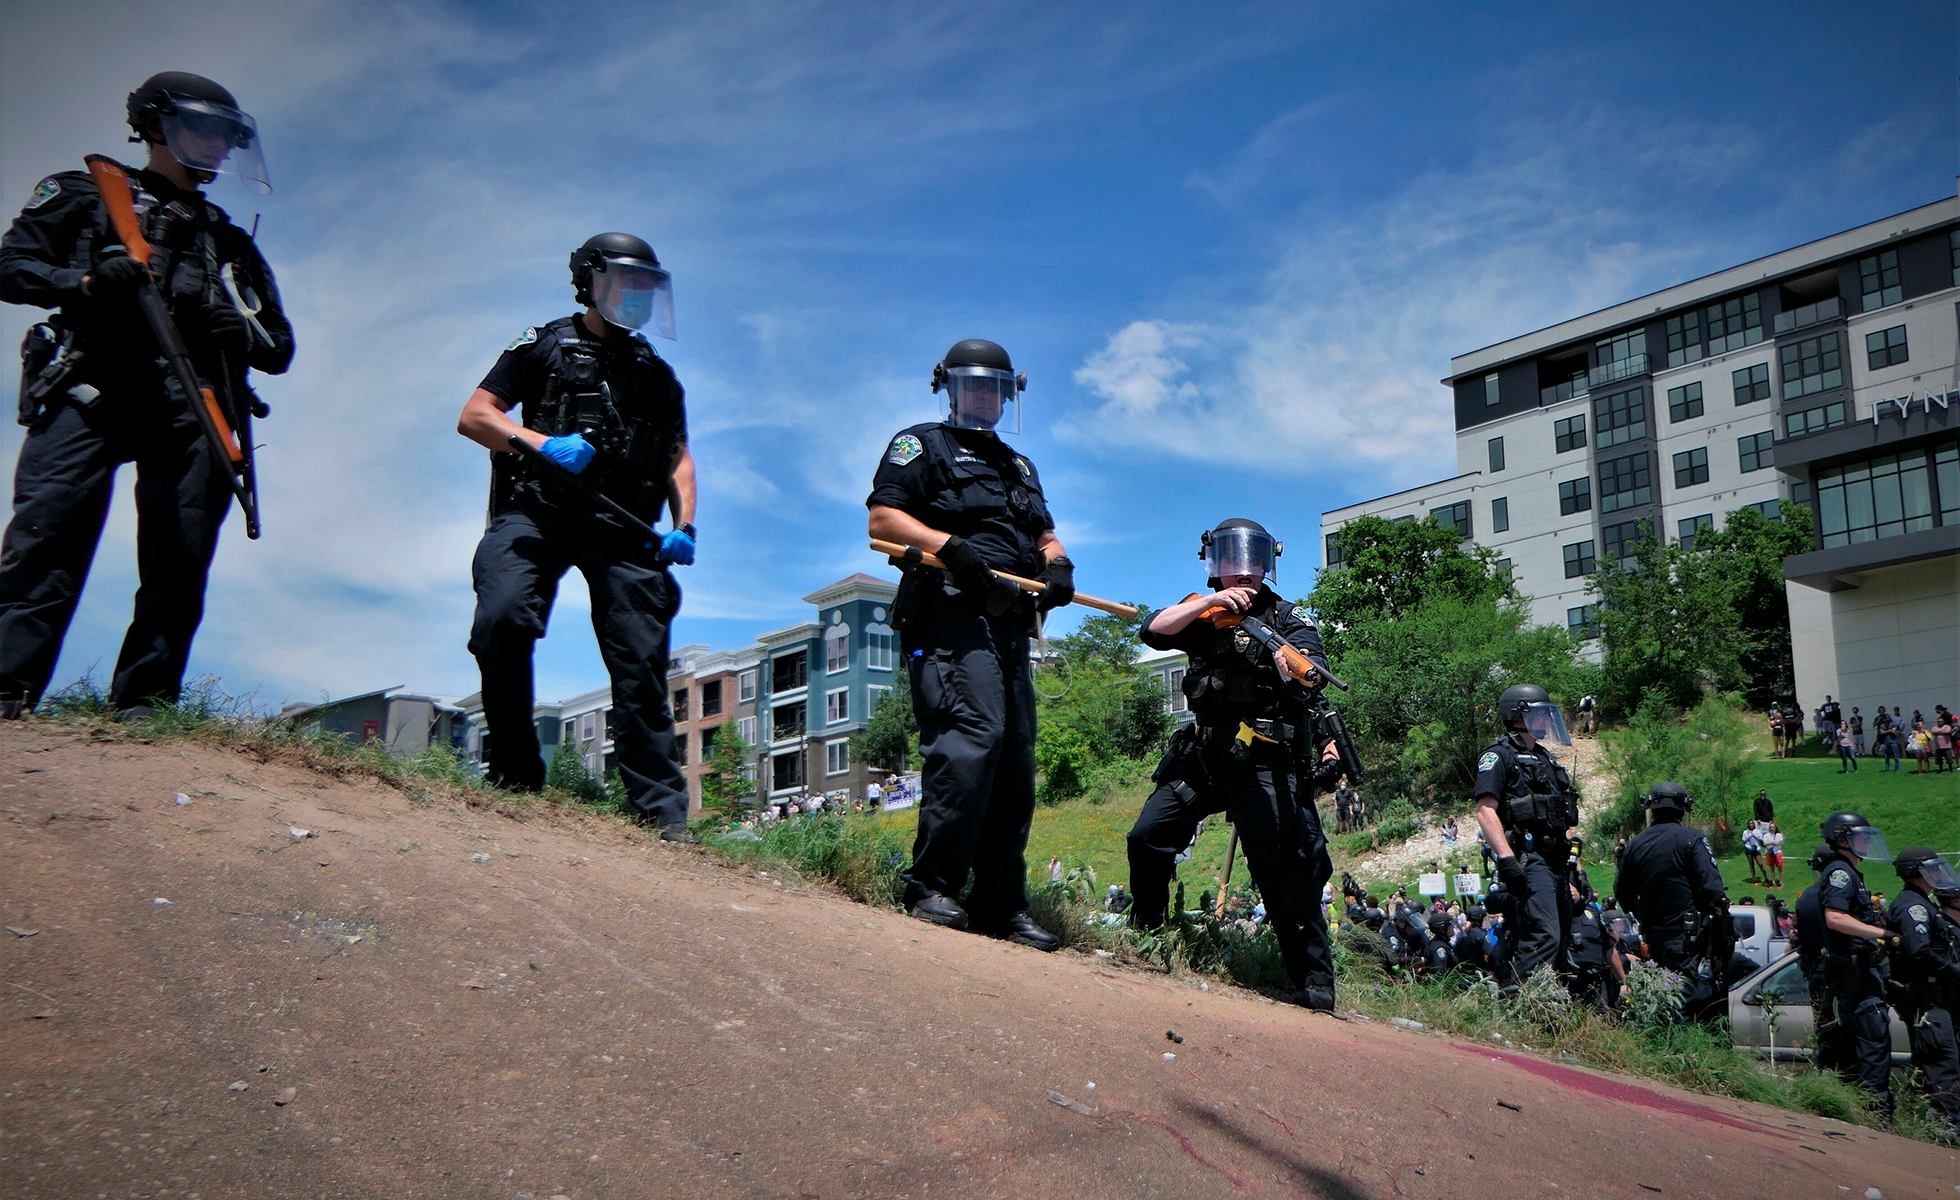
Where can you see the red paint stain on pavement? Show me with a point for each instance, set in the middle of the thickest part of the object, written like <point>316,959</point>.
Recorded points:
<point>1625,1093</point>
<point>1235,1180</point>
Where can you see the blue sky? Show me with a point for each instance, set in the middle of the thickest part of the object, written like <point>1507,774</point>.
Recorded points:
<point>1233,252</point>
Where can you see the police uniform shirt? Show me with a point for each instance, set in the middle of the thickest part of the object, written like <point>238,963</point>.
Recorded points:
<point>1588,939</point>
<point>1500,758</point>
<point>971,484</point>
<point>1842,889</point>
<point>1667,872</point>
<point>1926,943</point>
<point>1230,675</point>
<point>61,235</point>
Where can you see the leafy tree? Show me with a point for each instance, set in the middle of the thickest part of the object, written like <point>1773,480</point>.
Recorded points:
<point>1388,568</point>
<point>1668,621</point>
<point>1753,547</point>
<point>1705,750</point>
<point>1104,638</point>
<point>1095,706</point>
<point>725,783</point>
<point>567,773</point>
<point>890,738</point>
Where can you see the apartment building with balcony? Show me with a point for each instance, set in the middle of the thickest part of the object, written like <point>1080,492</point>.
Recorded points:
<point>1822,374</point>
<point>820,680</point>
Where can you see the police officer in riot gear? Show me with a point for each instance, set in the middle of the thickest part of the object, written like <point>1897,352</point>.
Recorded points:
<point>953,488</point>
<point>1595,954</point>
<point>1670,883</point>
<point>597,401</point>
<point>94,394</point>
<point>1854,937</point>
<point>1253,754</point>
<point>1525,806</point>
<point>1926,971</point>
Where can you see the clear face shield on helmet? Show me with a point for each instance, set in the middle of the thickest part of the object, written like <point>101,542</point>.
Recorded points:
<point>634,294</point>
<point>1940,877</point>
<point>982,398</point>
<point>1240,552</point>
<point>1546,722</point>
<point>1866,842</point>
<point>211,137</point>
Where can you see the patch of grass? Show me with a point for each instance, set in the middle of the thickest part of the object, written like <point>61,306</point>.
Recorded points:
<point>857,854</point>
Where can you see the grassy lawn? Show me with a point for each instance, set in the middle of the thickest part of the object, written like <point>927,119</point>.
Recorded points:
<point>1911,809</point>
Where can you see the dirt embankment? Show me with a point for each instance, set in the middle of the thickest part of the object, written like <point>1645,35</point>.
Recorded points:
<point>440,1002</point>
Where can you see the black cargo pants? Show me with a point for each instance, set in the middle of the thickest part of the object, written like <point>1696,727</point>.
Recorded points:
<point>973,696</point>
<point>62,488</point>
<point>524,553</point>
<point>1279,831</point>
<point>1867,1025</point>
<point>1542,920</point>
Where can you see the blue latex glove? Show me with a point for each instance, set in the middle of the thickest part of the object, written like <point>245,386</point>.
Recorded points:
<point>571,452</point>
<point>677,548</point>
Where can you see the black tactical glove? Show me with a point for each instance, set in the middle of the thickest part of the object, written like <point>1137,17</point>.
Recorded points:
<point>225,326</point>
<point>1060,578</point>
<point>1512,873</point>
<point>117,276</point>
<point>965,565</point>
<point>1327,774</point>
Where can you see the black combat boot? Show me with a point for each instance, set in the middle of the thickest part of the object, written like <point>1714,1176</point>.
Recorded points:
<point>1020,928</point>
<point>940,910</point>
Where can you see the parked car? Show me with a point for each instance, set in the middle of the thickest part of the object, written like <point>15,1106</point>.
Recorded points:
<point>1783,982</point>
<point>1755,934</point>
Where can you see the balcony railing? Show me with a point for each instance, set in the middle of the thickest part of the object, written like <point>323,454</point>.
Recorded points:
<point>1613,372</point>
<point>1809,314</point>
<point>1564,391</point>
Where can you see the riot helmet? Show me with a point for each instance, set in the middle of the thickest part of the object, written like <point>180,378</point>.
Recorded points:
<point>1531,704</point>
<point>1850,831</point>
<point>201,125</point>
<point>1941,879</point>
<point>1668,796</point>
<point>1239,547</point>
<point>617,274</point>
<point>983,391</point>
<point>1821,857</point>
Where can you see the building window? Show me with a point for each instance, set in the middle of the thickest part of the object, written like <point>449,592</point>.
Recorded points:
<point>1624,483</point>
<point>1946,469</point>
<point>745,729</point>
<point>1583,621</point>
<point>1683,339</point>
<point>1876,498</point>
<point>786,771</point>
<point>837,651</point>
<point>1500,514</point>
<point>1490,391</point>
<point>1684,402</point>
<point>1769,508</point>
<point>588,726</point>
<point>680,749</point>
<point>1814,420</point>
<point>787,720</point>
<point>880,648</point>
<point>837,706</point>
<point>1812,365</point>
<point>1621,347</point>
<point>1571,433</point>
<point>1733,323</point>
<point>1174,684</point>
<point>745,687</point>
<point>1751,384</point>
<point>1754,450</point>
<point>1575,496</point>
<point>1504,568</point>
<point>1953,253</point>
<point>1619,541</point>
<point>1687,527</point>
<point>680,704</point>
<point>708,742</point>
<point>1886,348</point>
<point>607,717</point>
<point>836,757</point>
<point>789,672</point>
<point>1455,516</point>
<point>1578,559</point>
<point>1333,549</point>
<point>1878,276</point>
<point>1619,418</point>
<point>1691,467</point>
<point>570,733</point>
<point>711,698</point>
<point>1496,448</point>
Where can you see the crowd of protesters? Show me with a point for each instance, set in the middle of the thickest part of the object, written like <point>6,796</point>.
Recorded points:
<point>1889,735</point>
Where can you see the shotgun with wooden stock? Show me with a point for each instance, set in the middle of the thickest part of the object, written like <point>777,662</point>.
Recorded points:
<point>899,554</point>
<point>231,449</point>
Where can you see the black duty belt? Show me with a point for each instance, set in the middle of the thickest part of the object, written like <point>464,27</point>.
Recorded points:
<point>1277,731</point>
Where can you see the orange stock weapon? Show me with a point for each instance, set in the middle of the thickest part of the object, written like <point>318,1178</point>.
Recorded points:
<point>896,551</point>
<point>1306,668</point>
<point>233,453</point>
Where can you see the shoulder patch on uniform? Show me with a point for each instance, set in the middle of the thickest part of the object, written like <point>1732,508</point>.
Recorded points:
<point>1488,761</point>
<point>44,191</point>
<point>1840,877</point>
<point>523,339</point>
<point>1301,612</point>
<point>904,449</point>
<point>1917,912</point>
